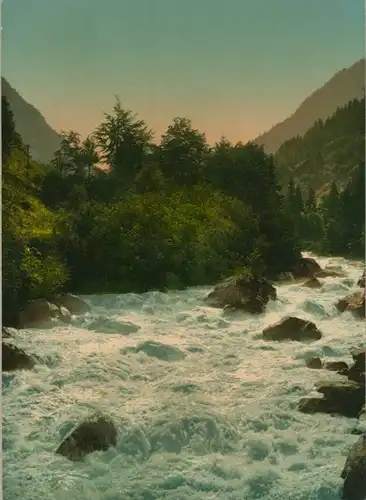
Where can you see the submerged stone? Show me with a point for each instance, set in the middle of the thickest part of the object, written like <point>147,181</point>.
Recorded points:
<point>158,350</point>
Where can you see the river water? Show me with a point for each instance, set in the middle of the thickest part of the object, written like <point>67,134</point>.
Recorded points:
<point>205,409</point>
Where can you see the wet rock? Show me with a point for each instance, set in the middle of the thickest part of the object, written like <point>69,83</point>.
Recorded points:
<point>65,315</point>
<point>317,405</point>
<point>344,398</point>
<point>72,303</point>
<point>354,472</point>
<point>292,328</point>
<point>313,283</point>
<point>357,371</point>
<point>337,366</point>
<point>38,313</point>
<point>356,374</point>
<point>359,356</point>
<point>354,303</point>
<point>240,292</point>
<point>314,363</point>
<point>361,281</point>
<point>306,267</point>
<point>96,433</point>
<point>14,358</point>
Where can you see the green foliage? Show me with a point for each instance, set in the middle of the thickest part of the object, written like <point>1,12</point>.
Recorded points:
<point>45,275</point>
<point>25,219</point>
<point>335,224</point>
<point>124,142</point>
<point>329,158</point>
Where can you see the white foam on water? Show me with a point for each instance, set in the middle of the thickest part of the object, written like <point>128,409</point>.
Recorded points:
<point>209,413</point>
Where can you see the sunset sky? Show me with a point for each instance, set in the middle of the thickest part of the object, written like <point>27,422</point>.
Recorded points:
<point>235,67</point>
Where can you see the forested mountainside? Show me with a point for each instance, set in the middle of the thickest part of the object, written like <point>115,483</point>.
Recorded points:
<point>329,152</point>
<point>346,85</point>
<point>42,140</point>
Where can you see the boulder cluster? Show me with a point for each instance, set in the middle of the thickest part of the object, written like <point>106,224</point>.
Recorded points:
<point>345,397</point>
<point>38,313</point>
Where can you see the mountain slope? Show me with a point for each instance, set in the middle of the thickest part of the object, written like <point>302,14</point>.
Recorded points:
<point>329,151</point>
<point>344,86</point>
<point>31,125</point>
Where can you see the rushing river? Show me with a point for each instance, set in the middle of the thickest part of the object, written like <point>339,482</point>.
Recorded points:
<point>209,413</point>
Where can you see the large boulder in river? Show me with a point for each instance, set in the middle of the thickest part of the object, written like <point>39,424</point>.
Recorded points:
<point>354,472</point>
<point>292,328</point>
<point>40,313</point>
<point>241,292</point>
<point>344,398</point>
<point>95,433</point>
<point>306,267</point>
<point>74,304</point>
<point>357,371</point>
<point>14,358</point>
<point>354,303</point>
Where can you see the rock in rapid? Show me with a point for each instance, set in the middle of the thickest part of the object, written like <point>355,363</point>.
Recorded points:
<point>14,358</point>
<point>354,472</point>
<point>71,302</point>
<point>292,328</point>
<point>240,292</point>
<point>355,303</point>
<point>96,433</point>
<point>40,313</point>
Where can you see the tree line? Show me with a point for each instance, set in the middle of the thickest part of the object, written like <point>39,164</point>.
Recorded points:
<point>334,223</point>
<point>164,215</point>
<point>327,152</point>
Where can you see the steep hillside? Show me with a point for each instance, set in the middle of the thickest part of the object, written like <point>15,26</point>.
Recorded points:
<point>344,86</point>
<point>329,151</point>
<point>31,125</point>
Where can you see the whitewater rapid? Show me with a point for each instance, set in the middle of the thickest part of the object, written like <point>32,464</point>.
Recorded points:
<point>210,417</point>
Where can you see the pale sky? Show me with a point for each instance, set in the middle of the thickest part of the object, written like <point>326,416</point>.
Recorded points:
<point>235,67</point>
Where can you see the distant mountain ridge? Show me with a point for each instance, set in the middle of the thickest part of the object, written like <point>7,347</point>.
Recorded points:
<point>42,139</point>
<point>344,86</point>
<point>330,151</point>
